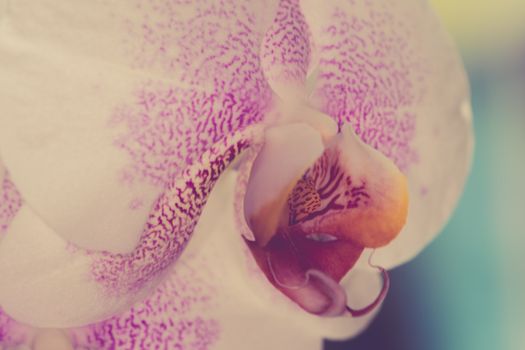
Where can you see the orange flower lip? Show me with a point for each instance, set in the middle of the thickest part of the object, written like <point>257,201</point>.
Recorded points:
<point>311,230</point>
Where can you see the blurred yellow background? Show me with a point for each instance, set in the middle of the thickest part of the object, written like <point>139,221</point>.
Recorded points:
<point>483,26</point>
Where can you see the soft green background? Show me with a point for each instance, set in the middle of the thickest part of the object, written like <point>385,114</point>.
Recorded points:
<point>467,289</point>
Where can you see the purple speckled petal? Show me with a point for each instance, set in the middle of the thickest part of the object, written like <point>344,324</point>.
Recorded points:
<point>107,102</point>
<point>178,315</point>
<point>128,126</point>
<point>76,287</point>
<point>203,304</point>
<point>387,68</point>
<point>286,51</point>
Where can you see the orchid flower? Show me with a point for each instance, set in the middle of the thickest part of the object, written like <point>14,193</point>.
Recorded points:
<point>219,174</point>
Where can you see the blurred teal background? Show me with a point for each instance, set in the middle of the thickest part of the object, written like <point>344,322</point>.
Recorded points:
<point>467,289</point>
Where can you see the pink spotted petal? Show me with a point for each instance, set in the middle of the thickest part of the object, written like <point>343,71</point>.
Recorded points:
<point>76,287</point>
<point>388,69</point>
<point>103,104</point>
<point>286,51</point>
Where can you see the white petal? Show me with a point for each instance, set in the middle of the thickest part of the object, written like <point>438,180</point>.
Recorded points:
<point>58,147</point>
<point>215,299</point>
<point>388,69</point>
<point>55,137</point>
<point>47,283</point>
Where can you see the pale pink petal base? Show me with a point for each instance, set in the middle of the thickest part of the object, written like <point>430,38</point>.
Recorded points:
<point>121,119</point>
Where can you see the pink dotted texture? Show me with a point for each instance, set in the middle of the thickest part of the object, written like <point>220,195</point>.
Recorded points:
<point>212,51</point>
<point>172,318</point>
<point>286,48</point>
<point>181,136</point>
<point>168,229</point>
<point>370,75</point>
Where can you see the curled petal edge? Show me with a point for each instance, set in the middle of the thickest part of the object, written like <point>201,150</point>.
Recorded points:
<point>312,217</point>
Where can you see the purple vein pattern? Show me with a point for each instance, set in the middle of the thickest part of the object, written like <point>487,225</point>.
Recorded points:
<point>326,187</point>
<point>172,318</point>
